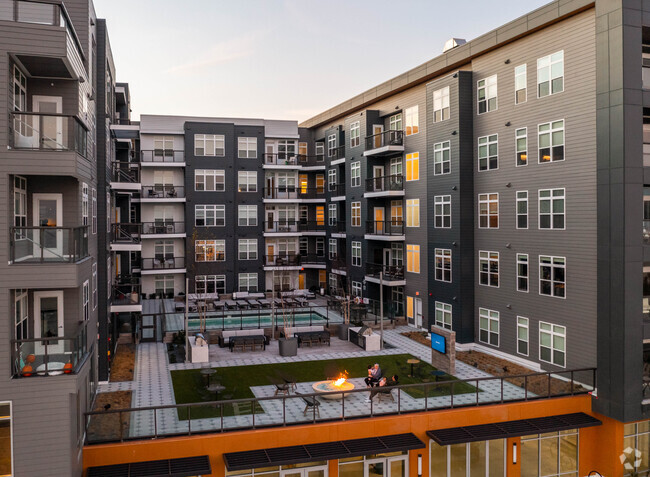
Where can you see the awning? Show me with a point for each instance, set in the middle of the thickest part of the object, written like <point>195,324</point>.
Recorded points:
<point>502,430</point>
<point>183,467</point>
<point>323,451</point>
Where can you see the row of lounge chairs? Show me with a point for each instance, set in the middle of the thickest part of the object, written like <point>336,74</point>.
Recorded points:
<point>242,304</point>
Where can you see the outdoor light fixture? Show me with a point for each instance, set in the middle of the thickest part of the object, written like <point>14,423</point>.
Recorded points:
<point>508,123</point>
<point>455,75</point>
<point>509,184</point>
<point>453,133</point>
<point>514,452</point>
<point>419,465</point>
<point>508,61</point>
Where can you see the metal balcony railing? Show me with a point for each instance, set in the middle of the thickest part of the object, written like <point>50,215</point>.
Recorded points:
<point>162,155</point>
<point>385,227</point>
<point>386,138</point>
<point>295,226</point>
<point>126,290</point>
<point>385,183</point>
<point>336,190</point>
<point>162,263</point>
<point>339,263</point>
<point>163,227</point>
<point>126,232</point>
<point>48,244</point>
<point>338,227</point>
<point>390,272</point>
<point>646,231</point>
<point>128,172</point>
<point>291,259</point>
<point>47,132</point>
<point>163,191</point>
<point>294,192</point>
<point>336,153</point>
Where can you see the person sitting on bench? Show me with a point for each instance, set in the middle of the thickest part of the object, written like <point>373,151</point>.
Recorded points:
<point>374,375</point>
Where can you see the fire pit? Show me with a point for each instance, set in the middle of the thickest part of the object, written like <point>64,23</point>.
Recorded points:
<point>333,385</point>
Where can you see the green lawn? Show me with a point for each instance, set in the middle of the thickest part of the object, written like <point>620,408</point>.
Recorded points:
<point>189,385</point>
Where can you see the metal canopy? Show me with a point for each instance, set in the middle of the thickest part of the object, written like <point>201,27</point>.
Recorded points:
<point>322,451</point>
<point>183,467</point>
<point>502,430</point>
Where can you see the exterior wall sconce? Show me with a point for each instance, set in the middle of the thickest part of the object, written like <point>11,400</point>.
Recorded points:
<point>508,124</point>
<point>453,133</point>
<point>514,452</point>
<point>419,465</point>
<point>507,62</point>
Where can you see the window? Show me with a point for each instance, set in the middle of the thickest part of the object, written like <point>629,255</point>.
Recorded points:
<point>21,316</point>
<point>551,141</point>
<point>441,104</point>
<point>522,209</point>
<point>320,247</point>
<point>94,278</point>
<point>442,211</point>
<point>320,152</point>
<point>334,283</point>
<point>303,149</point>
<point>488,211</point>
<point>552,276</point>
<point>333,249</point>
<point>413,166</point>
<point>164,285</point>
<point>521,146</point>
<point>356,289</point>
<point>551,208</point>
<point>210,180</point>
<point>210,215</point>
<point>356,254</point>
<point>247,181</point>
<point>320,215</point>
<point>85,300</point>
<point>398,300</point>
<point>395,167</point>
<point>550,74</point>
<point>331,145</point>
<point>163,146</point>
<point>552,343</point>
<point>210,250</point>
<point>247,249</point>
<point>413,212</point>
<point>488,268</point>
<point>395,122</point>
<point>488,153</point>
<point>551,455</point>
<point>441,158</point>
<point>20,201</point>
<point>412,119</point>
<point>355,215</point>
<point>522,335</point>
<point>522,272</point>
<point>20,90</point>
<point>520,84</point>
<point>247,147</point>
<point>6,444</point>
<point>488,324</point>
<point>443,315</point>
<point>636,436</point>
<point>443,264</point>
<point>210,284</point>
<point>303,182</point>
<point>320,183</point>
<point>248,282</point>
<point>355,174</point>
<point>469,459</point>
<point>409,307</point>
<point>355,134</point>
<point>84,204</point>
<point>303,245</point>
<point>247,215</point>
<point>331,180</point>
<point>486,94</point>
<point>209,145</point>
<point>332,213</point>
<point>396,212</point>
<point>413,258</point>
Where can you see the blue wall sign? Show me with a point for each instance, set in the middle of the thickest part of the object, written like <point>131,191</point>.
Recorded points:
<point>438,342</point>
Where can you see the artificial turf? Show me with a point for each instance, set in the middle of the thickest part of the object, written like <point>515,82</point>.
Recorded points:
<point>190,385</point>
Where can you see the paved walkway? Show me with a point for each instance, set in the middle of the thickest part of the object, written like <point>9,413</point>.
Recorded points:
<point>152,386</point>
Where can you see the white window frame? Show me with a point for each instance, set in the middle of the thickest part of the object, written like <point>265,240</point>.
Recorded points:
<point>355,174</point>
<point>442,211</point>
<point>441,110</point>
<point>355,134</point>
<point>355,214</point>
<point>210,282</point>
<point>551,129</point>
<point>395,122</point>
<point>551,61</point>
<point>20,81</point>
<point>492,316</point>
<point>523,260</point>
<point>356,289</point>
<point>412,120</point>
<point>439,159</point>
<point>356,254</point>
<point>21,314</point>
<point>202,247</point>
<point>487,200</point>
<point>489,258</point>
<point>485,144</point>
<point>215,212</point>
<point>215,178</point>
<point>247,249</point>
<point>523,324</point>
<point>413,250</point>
<point>413,212</point>
<point>445,312</point>
<point>94,210</point>
<point>332,214</point>
<point>247,181</point>
<point>443,265</point>
<point>333,248</point>
<point>20,200</point>
<point>247,215</point>
<point>553,262</point>
<point>247,147</point>
<point>331,180</point>
<point>521,202</point>
<point>85,300</point>
<point>213,145</point>
<point>248,282</point>
<point>331,145</point>
<point>553,331</point>
<point>84,204</point>
<point>551,199</point>
<point>521,75</point>
<point>320,151</point>
<point>488,86</point>
<point>521,153</point>
<point>94,280</point>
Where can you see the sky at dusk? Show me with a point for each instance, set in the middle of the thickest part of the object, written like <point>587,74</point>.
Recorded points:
<point>280,59</point>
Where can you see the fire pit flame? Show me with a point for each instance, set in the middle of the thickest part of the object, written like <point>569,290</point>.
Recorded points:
<point>341,380</point>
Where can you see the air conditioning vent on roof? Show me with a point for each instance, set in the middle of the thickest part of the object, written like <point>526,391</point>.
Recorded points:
<point>453,43</point>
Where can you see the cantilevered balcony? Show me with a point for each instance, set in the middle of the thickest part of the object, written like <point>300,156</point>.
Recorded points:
<point>47,132</point>
<point>391,275</point>
<point>337,229</point>
<point>337,191</point>
<point>48,244</point>
<point>164,228</point>
<point>125,176</point>
<point>385,186</point>
<point>339,265</point>
<point>294,194</point>
<point>125,294</point>
<point>163,264</point>
<point>386,230</point>
<point>336,155</point>
<point>291,261</point>
<point>294,227</point>
<point>165,157</point>
<point>126,237</point>
<point>285,160</point>
<point>385,144</point>
<point>163,193</point>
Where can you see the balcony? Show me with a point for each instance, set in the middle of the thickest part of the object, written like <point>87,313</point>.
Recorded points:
<point>291,193</point>
<point>163,228</point>
<point>290,261</point>
<point>162,157</point>
<point>47,132</point>
<point>125,294</point>
<point>339,265</point>
<point>125,176</point>
<point>166,263</point>
<point>646,232</point>
<point>385,144</point>
<point>163,193</point>
<point>294,227</point>
<point>336,154</point>
<point>338,229</point>
<point>385,186</point>
<point>337,191</point>
<point>392,275</point>
<point>49,356</point>
<point>387,230</point>
<point>48,244</point>
<point>285,160</point>
<point>126,237</point>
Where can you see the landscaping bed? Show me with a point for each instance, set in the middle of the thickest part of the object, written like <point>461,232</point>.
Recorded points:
<point>123,363</point>
<point>108,426</point>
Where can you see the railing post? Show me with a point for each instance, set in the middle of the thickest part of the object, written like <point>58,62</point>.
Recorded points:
<point>189,420</point>
<point>571,382</point>
<point>121,427</point>
<point>526,387</point>
<point>477,391</point>
<point>501,389</point>
<point>155,423</point>
<point>548,393</point>
<point>284,410</point>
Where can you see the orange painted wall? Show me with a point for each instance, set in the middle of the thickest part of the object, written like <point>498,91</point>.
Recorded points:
<point>599,446</point>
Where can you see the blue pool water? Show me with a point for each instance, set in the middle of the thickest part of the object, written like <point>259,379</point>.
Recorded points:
<point>259,321</point>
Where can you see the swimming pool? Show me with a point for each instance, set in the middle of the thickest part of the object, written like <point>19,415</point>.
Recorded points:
<point>261,320</point>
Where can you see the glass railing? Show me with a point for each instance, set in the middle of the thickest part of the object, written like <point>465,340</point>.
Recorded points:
<point>293,225</point>
<point>163,227</point>
<point>293,259</point>
<point>162,155</point>
<point>48,244</point>
<point>49,356</point>
<point>390,272</point>
<point>48,132</point>
<point>294,192</point>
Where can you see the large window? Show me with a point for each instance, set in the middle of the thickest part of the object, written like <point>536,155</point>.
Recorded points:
<point>443,264</point>
<point>551,141</point>
<point>395,122</point>
<point>488,152</point>
<point>331,180</point>
<point>441,158</point>
<point>331,145</point>
<point>471,459</point>
<point>441,104</point>
<point>320,215</point>
<point>332,214</point>
<point>486,94</point>
<point>637,436</point>
<point>209,145</point>
<point>488,324</point>
<point>209,215</point>
<point>164,285</point>
<point>248,282</point>
<point>551,208</point>
<point>355,174</point>
<point>520,84</point>
<point>552,276</point>
<point>247,181</point>
<point>247,215</point>
<point>376,465</point>
<point>553,454</point>
<point>355,214</point>
<point>356,254</point>
<point>488,211</point>
<point>550,74</point>
<point>84,204</point>
<point>6,446</point>
<point>442,211</point>
<point>522,272</point>
<point>522,209</point>
<point>210,250</point>
<point>210,180</point>
<point>443,315</point>
<point>413,212</point>
<point>333,249</point>
<point>163,146</point>
<point>413,258</point>
<point>320,152</point>
<point>395,167</point>
<point>247,249</point>
<point>521,146</point>
<point>247,147</point>
<point>413,166</point>
<point>210,284</point>
<point>355,134</point>
<point>523,337</point>
<point>488,268</point>
<point>412,119</point>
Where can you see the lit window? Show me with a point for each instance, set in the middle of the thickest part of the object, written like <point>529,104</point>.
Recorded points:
<point>412,119</point>
<point>413,166</point>
<point>413,212</point>
<point>210,250</point>
<point>413,258</point>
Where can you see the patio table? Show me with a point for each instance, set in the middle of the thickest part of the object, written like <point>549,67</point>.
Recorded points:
<point>209,372</point>
<point>412,361</point>
<point>216,389</point>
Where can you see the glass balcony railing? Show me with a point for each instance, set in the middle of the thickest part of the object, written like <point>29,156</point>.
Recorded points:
<point>163,228</point>
<point>163,191</point>
<point>293,225</point>
<point>162,155</point>
<point>47,132</point>
<point>294,192</point>
<point>48,244</point>
<point>163,263</point>
<point>293,259</point>
<point>390,272</point>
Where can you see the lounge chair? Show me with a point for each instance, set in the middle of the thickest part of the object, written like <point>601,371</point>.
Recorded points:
<point>310,403</point>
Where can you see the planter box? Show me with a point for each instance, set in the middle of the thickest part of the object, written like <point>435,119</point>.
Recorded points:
<point>288,346</point>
